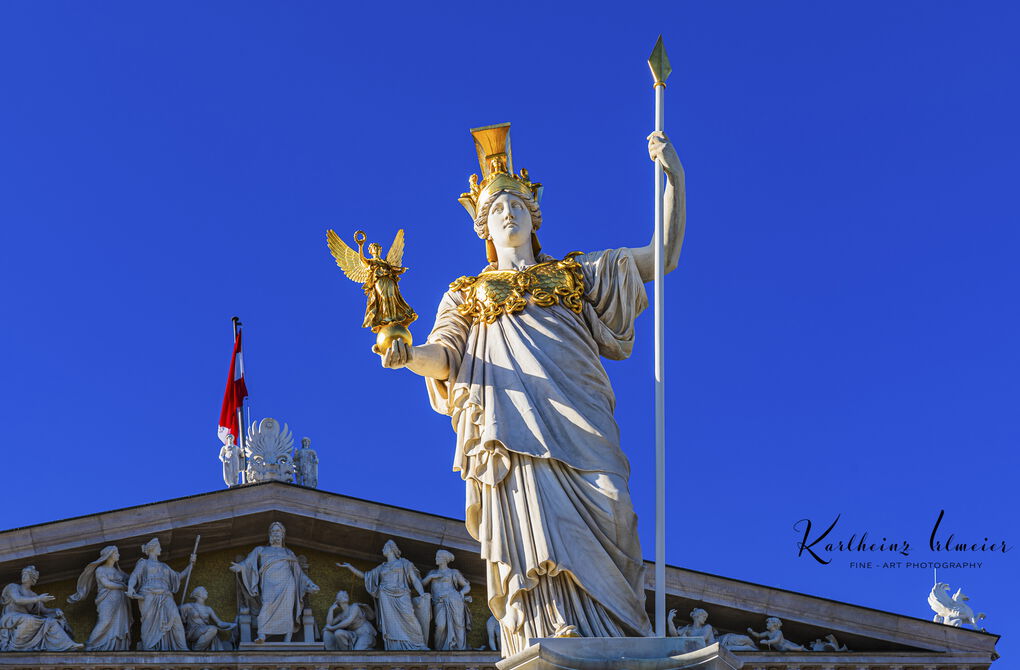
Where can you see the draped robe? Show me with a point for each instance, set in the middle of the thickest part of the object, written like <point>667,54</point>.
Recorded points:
<point>539,451</point>
<point>276,576</point>
<point>161,626</point>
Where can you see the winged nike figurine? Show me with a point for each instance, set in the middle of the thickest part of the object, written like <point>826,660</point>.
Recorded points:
<point>386,313</point>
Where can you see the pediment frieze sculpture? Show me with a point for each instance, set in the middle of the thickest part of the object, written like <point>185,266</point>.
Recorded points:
<point>771,639</point>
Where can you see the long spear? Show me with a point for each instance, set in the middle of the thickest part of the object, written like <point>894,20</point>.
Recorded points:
<point>659,64</point>
<point>191,562</point>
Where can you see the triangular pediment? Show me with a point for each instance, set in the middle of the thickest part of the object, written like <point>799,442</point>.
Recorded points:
<point>327,527</point>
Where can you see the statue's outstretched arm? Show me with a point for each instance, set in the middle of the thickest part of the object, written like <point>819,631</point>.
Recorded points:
<point>674,214</point>
<point>427,360</point>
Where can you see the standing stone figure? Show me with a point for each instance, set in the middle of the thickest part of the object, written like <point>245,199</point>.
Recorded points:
<point>230,456</point>
<point>306,464</point>
<point>449,603</point>
<point>112,631</point>
<point>28,625</point>
<point>153,584</point>
<point>390,584</point>
<point>202,626</point>
<point>273,575</point>
<point>348,626</point>
<point>515,359</point>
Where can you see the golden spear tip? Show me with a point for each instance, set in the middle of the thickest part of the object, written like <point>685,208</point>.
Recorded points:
<point>659,62</point>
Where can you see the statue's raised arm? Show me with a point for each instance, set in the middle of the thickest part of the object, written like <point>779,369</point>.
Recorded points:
<point>674,218</point>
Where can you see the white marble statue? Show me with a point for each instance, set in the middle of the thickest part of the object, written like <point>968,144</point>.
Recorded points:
<point>450,615</point>
<point>268,450</point>
<point>273,576</point>
<point>28,625</point>
<point>201,625</point>
<point>492,632</point>
<point>698,627</point>
<point>952,611</point>
<point>773,637</point>
<point>515,359</point>
<point>112,631</point>
<point>306,464</point>
<point>391,583</point>
<point>230,457</point>
<point>830,643</point>
<point>348,625</point>
<point>153,584</point>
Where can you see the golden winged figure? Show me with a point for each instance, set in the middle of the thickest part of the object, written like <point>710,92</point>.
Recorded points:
<point>386,313</point>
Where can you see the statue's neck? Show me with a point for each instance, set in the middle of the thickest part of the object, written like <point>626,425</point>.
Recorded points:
<point>515,258</point>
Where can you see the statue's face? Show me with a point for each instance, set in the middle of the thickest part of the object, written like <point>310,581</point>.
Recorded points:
<point>509,221</point>
<point>29,577</point>
<point>699,619</point>
<point>115,555</point>
<point>276,537</point>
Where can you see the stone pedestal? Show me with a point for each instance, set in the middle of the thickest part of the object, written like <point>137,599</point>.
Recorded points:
<point>620,653</point>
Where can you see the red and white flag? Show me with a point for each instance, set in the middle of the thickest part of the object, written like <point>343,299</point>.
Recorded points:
<point>235,394</point>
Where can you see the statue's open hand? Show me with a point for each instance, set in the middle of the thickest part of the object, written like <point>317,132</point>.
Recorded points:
<point>661,149</point>
<point>44,598</point>
<point>397,356</point>
<point>234,567</point>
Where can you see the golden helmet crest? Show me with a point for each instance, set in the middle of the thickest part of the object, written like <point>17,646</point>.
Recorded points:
<point>492,143</point>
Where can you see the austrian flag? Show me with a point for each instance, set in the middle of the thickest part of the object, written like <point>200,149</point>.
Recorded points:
<point>236,392</point>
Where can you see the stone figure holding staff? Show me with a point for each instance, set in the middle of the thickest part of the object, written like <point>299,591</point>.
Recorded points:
<point>514,359</point>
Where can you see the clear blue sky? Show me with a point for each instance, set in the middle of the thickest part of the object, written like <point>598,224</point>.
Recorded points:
<point>842,329</point>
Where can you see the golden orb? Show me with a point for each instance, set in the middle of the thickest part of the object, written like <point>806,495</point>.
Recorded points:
<point>388,335</point>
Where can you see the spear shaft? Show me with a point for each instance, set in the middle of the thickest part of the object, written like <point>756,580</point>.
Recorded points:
<point>191,564</point>
<point>659,64</point>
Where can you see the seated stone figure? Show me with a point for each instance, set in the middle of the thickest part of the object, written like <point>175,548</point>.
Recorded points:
<point>773,636</point>
<point>348,625</point>
<point>27,625</point>
<point>202,626</point>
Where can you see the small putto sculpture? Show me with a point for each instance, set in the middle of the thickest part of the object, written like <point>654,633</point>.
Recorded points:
<point>112,631</point>
<point>306,464</point>
<point>202,626</point>
<point>403,621</point>
<point>952,611</point>
<point>28,625</point>
<point>348,625</point>
<point>153,584</point>
<point>450,615</point>
<point>773,636</point>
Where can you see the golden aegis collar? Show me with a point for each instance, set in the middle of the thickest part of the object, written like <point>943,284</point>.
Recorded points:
<point>497,292</point>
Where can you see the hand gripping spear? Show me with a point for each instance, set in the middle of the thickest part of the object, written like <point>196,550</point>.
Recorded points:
<point>659,63</point>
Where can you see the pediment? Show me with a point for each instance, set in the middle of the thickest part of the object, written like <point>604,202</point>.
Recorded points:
<point>327,527</point>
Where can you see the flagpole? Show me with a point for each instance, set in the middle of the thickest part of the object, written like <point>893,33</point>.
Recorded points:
<point>659,64</point>
<point>242,459</point>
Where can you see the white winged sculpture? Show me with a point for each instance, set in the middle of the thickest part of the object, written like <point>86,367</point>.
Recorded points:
<point>952,611</point>
<point>270,452</point>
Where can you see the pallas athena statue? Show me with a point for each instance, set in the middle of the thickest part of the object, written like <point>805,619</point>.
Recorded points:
<point>514,359</point>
